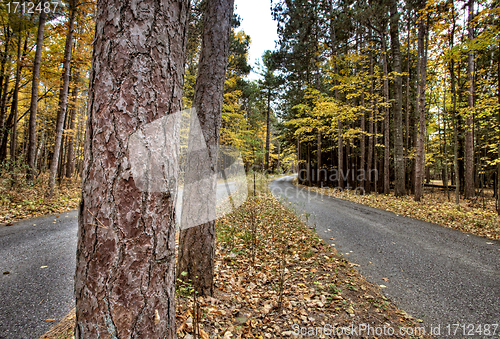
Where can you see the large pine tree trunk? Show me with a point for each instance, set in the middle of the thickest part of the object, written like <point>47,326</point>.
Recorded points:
<point>469,133</point>
<point>419,161</point>
<point>63,100</point>
<point>197,244</point>
<point>399,164</point>
<point>387,151</point>
<point>124,282</point>
<point>34,96</point>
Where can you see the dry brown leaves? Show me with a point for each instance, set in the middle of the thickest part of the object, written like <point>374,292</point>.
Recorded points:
<point>19,202</point>
<point>273,273</point>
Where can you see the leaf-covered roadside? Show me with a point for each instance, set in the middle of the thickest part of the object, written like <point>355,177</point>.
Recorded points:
<point>466,218</point>
<point>273,272</point>
<point>19,201</point>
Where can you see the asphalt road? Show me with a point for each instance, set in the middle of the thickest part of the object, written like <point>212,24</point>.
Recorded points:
<point>440,275</point>
<point>41,264</point>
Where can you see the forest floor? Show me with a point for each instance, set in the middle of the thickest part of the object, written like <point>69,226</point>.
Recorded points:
<point>476,216</point>
<point>274,277</point>
<point>20,200</point>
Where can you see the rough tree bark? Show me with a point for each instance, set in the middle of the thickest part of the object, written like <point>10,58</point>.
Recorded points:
<point>399,164</point>
<point>469,133</point>
<point>197,244</point>
<point>34,96</point>
<point>63,99</point>
<point>124,282</point>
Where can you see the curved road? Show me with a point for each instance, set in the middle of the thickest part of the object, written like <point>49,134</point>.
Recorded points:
<point>437,274</point>
<point>41,264</point>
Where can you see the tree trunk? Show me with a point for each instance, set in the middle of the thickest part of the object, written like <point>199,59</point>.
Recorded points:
<point>419,161</point>
<point>34,96</point>
<point>340,145</point>
<point>268,127</point>
<point>370,119</point>
<point>445,146</point>
<point>453,112</point>
<point>387,152</point>
<point>399,165</point>
<point>124,282</point>
<point>279,155</point>
<point>70,163</point>
<point>197,244</point>
<point>469,136</point>
<point>15,98</point>
<point>4,81</point>
<point>363,136</point>
<point>63,100</point>
<point>375,142</point>
<point>408,76</point>
<point>498,96</point>
<point>319,159</point>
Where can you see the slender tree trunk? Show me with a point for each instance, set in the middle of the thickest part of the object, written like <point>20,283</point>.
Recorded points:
<point>3,109</point>
<point>454,110</point>
<point>399,164</point>
<point>469,134</point>
<point>63,100</point>
<point>408,75</point>
<point>422,55</point>
<point>362,149</point>
<point>319,159</point>
<point>124,281</point>
<point>387,152</point>
<point>498,96</point>
<point>445,146</point>
<point>197,244</point>
<point>268,127</point>
<point>70,163</point>
<point>309,169</point>
<point>340,144</point>
<point>4,80</point>
<point>279,154</point>
<point>34,96</point>
<point>15,98</point>
<point>371,119</point>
